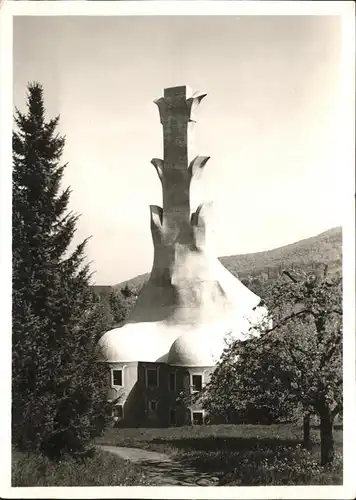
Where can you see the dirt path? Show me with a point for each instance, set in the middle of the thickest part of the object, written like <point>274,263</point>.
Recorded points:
<point>162,470</point>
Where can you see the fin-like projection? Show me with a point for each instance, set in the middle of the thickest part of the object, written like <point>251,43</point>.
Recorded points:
<point>158,164</point>
<point>201,214</point>
<point>199,222</point>
<point>196,166</point>
<point>194,216</point>
<point>162,107</point>
<point>193,103</point>
<point>156,221</point>
<point>156,215</point>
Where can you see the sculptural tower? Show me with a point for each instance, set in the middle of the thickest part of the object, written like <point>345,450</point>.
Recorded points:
<point>189,290</point>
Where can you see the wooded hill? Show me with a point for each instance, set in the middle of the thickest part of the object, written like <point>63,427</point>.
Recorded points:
<point>307,254</point>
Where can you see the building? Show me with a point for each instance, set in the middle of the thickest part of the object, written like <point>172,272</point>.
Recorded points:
<point>191,304</point>
<point>146,384</point>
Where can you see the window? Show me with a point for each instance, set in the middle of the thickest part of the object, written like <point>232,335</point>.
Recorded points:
<point>198,418</point>
<point>117,412</point>
<point>172,381</point>
<point>152,405</point>
<point>172,417</point>
<point>152,377</point>
<point>197,382</point>
<point>117,377</point>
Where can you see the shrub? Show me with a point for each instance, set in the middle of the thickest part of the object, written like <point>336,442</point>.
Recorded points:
<point>100,469</point>
<point>282,466</point>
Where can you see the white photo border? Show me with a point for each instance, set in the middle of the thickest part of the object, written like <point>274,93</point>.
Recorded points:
<point>344,9</point>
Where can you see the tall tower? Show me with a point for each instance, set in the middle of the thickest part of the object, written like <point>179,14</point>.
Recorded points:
<point>188,290</point>
<point>177,114</point>
<point>188,285</point>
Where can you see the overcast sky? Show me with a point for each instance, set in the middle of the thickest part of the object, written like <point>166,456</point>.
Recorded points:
<point>269,122</point>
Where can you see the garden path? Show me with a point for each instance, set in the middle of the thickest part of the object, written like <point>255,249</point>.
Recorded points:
<point>162,469</point>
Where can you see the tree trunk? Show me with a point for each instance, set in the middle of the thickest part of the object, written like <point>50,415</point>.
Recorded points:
<point>326,438</point>
<point>307,443</point>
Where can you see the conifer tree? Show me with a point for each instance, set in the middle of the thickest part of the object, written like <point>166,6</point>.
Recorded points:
<point>58,387</point>
<point>121,304</point>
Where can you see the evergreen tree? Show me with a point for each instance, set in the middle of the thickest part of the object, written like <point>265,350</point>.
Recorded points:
<point>121,304</point>
<point>127,292</point>
<point>118,308</point>
<point>58,386</point>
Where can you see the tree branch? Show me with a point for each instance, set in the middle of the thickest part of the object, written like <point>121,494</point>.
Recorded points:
<point>328,355</point>
<point>286,319</point>
<point>336,410</point>
<point>287,273</point>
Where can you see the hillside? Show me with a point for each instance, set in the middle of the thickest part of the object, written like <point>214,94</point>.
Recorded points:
<point>325,248</point>
<point>305,254</point>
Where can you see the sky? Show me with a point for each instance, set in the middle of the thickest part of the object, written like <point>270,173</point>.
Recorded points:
<point>269,123</point>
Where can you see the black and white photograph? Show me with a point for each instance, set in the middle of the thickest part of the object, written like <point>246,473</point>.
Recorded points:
<point>177,249</point>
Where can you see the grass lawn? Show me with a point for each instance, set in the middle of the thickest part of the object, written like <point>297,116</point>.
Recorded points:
<point>239,454</point>
<point>103,469</point>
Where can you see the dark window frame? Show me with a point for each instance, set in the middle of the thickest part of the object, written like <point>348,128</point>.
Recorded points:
<point>200,413</point>
<point>152,403</point>
<point>118,370</point>
<point>194,387</point>
<point>152,370</point>
<point>172,376</point>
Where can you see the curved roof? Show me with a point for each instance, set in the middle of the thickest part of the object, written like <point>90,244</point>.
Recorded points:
<point>125,344</point>
<point>205,346</point>
<point>137,342</point>
<point>116,345</point>
<point>200,348</point>
<point>172,344</point>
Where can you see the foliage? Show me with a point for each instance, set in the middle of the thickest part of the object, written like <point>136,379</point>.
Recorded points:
<point>127,292</point>
<point>280,466</point>
<point>58,388</point>
<point>117,304</point>
<point>121,303</point>
<point>99,469</point>
<point>294,367</point>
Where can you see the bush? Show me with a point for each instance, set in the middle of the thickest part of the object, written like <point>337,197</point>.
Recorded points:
<point>100,469</point>
<point>281,466</point>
